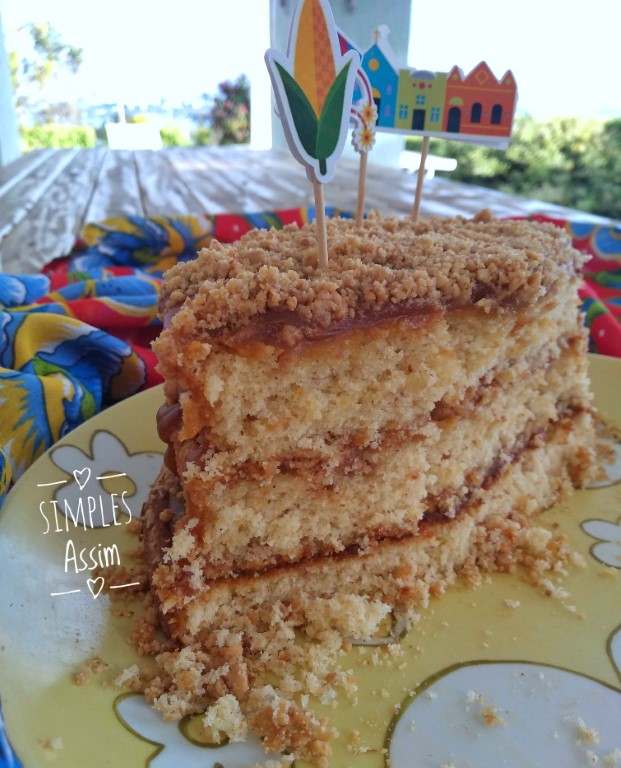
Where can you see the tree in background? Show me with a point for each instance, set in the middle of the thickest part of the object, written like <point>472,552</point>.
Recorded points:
<point>230,113</point>
<point>565,161</point>
<point>603,161</point>
<point>43,56</point>
<point>202,136</point>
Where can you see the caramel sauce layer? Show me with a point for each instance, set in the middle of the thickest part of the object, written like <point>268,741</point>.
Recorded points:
<point>353,456</point>
<point>162,518</point>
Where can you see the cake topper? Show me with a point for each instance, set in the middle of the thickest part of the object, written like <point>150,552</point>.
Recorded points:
<point>477,107</point>
<point>364,116</point>
<point>313,88</point>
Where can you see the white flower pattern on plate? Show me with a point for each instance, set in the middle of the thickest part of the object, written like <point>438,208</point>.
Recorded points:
<point>108,455</point>
<point>510,713</point>
<point>175,749</point>
<point>608,549</point>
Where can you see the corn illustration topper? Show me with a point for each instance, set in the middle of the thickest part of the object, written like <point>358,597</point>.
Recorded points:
<point>313,87</point>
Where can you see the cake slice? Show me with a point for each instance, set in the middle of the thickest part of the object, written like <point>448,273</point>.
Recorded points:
<point>360,429</point>
<point>371,430</point>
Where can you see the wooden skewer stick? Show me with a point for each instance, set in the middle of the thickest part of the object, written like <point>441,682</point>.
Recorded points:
<point>362,187</point>
<point>421,178</point>
<point>320,225</point>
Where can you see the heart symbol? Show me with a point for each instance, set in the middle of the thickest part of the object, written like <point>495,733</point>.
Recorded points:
<point>79,473</point>
<point>95,586</point>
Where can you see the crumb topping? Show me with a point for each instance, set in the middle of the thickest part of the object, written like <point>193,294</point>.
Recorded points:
<point>384,263</point>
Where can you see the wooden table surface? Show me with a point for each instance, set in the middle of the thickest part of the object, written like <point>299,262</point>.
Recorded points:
<point>47,196</point>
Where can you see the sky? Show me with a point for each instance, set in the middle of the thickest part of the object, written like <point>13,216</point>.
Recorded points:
<point>139,52</point>
<point>564,55</point>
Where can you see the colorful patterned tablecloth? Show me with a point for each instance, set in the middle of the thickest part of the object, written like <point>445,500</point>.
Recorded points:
<point>76,338</point>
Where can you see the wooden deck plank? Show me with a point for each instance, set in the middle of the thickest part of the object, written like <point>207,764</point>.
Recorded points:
<point>243,179</point>
<point>52,225</point>
<point>287,187</point>
<point>189,164</point>
<point>287,180</point>
<point>45,197</point>
<point>214,192</point>
<point>163,189</point>
<point>12,174</point>
<point>271,180</point>
<point>117,192</point>
<point>21,197</point>
<point>229,179</point>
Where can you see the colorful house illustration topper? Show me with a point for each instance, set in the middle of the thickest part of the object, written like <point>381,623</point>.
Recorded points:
<point>476,107</point>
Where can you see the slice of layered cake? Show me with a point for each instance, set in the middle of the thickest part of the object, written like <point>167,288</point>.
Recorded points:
<point>369,431</point>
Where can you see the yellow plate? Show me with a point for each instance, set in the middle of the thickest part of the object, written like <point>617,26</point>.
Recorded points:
<point>501,675</point>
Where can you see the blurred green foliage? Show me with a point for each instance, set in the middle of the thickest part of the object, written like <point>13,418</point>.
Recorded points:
<point>173,136</point>
<point>202,136</point>
<point>57,136</point>
<point>46,54</point>
<point>565,161</point>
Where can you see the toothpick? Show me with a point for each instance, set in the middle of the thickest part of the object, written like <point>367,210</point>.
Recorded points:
<point>421,177</point>
<point>362,185</point>
<point>320,225</point>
